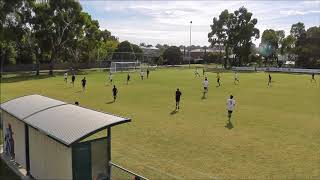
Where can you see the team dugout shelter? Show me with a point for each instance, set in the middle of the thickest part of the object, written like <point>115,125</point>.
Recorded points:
<point>57,140</point>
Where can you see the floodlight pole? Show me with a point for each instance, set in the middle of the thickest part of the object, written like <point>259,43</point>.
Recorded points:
<point>190,45</point>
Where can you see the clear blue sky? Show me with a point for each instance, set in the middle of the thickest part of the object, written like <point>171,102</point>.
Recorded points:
<point>168,22</point>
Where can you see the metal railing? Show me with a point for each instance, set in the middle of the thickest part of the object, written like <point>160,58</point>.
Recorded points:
<point>120,173</point>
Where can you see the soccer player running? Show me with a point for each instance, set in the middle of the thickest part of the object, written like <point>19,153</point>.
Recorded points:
<point>73,78</point>
<point>148,72</point>
<point>114,92</point>
<point>236,79</point>
<point>312,78</point>
<point>84,83</point>
<point>196,72</point>
<point>128,78</point>
<point>269,81</point>
<point>218,79</point>
<point>141,74</point>
<point>110,78</point>
<point>65,76</point>
<point>205,87</point>
<point>231,103</point>
<point>178,95</point>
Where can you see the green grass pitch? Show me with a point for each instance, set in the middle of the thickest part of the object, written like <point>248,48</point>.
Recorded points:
<point>276,131</point>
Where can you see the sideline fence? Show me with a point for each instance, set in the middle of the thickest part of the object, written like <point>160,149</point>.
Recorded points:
<point>274,69</point>
<point>120,173</point>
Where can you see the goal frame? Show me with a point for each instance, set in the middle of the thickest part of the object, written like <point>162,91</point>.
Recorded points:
<point>124,66</point>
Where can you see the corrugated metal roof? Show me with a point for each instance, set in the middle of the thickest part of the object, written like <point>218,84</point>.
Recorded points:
<point>25,106</point>
<point>65,123</point>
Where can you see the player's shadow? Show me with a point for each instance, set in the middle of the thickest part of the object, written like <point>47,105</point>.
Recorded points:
<point>229,125</point>
<point>79,91</point>
<point>174,112</point>
<point>110,102</point>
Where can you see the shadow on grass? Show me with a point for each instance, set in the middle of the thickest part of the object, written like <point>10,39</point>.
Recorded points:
<point>229,125</point>
<point>23,77</point>
<point>110,102</point>
<point>174,112</point>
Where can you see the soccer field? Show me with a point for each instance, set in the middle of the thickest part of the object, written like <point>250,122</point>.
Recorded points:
<point>276,131</point>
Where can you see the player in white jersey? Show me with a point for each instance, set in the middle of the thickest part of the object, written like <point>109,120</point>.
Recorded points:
<point>141,74</point>
<point>205,87</point>
<point>65,76</point>
<point>110,78</point>
<point>236,79</point>
<point>196,72</point>
<point>231,103</point>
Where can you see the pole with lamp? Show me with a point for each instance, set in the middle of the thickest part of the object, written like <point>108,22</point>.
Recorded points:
<point>190,44</point>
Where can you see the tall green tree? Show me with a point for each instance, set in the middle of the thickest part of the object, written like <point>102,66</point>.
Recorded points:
<point>124,52</point>
<point>309,56</point>
<point>173,55</point>
<point>244,32</point>
<point>269,45</point>
<point>137,52</point>
<point>221,32</point>
<point>56,23</point>
<point>234,31</point>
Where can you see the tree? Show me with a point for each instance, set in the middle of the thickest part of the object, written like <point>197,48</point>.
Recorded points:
<point>269,45</point>
<point>235,32</point>
<point>288,47</point>
<point>299,33</point>
<point>137,52</point>
<point>173,55</point>
<point>124,52</point>
<point>243,33</point>
<point>221,32</point>
<point>309,56</point>
<point>280,36</point>
<point>56,23</point>
<point>297,30</point>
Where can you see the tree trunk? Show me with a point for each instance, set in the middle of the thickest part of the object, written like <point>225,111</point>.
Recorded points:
<point>227,57</point>
<point>2,61</point>
<point>51,65</point>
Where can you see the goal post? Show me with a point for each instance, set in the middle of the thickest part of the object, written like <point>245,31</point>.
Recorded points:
<point>124,66</point>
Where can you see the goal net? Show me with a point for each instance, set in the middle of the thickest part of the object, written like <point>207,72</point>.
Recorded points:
<point>124,66</point>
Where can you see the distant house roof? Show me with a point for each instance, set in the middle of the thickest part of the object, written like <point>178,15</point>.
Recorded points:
<point>206,50</point>
<point>290,63</point>
<point>153,48</point>
<point>63,122</point>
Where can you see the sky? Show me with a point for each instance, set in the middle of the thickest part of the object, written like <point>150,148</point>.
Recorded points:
<point>168,22</point>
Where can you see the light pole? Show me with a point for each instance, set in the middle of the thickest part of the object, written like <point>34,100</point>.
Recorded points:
<point>190,45</point>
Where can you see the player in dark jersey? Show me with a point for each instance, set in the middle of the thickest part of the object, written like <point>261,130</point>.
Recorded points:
<point>148,72</point>
<point>218,79</point>
<point>178,95</point>
<point>114,93</point>
<point>128,78</point>
<point>73,78</point>
<point>269,81</point>
<point>84,83</point>
<point>312,78</point>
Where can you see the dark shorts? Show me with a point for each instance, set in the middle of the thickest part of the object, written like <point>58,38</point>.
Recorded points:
<point>205,88</point>
<point>218,80</point>
<point>229,112</point>
<point>177,100</point>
